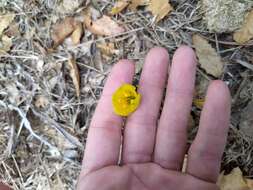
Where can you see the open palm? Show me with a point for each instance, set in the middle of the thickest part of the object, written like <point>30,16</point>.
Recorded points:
<point>154,144</point>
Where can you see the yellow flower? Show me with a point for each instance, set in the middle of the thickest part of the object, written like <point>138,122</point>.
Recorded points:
<point>199,103</point>
<point>125,100</point>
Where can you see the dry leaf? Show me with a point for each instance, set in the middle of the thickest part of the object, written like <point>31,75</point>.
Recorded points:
<point>250,183</point>
<point>136,3</point>
<point>209,59</point>
<point>119,6</point>
<point>68,6</point>
<point>108,49</point>
<point>246,120</point>
<point>202,84</point>
<point>41,101</point>
<point>74,73</point>
<point>63,29</point>
<point>5,21</point>
<point>103,26</point>
<point>232,181</point>
<point>13,30</point>
<point>57,183</point>
<point>246,32</point>
<point>5,44</point>
<point>77,34</point>
<point>160,8</point>
<point>13,94</point>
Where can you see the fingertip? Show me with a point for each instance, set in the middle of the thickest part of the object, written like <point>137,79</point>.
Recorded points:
<point>218,90</point>
<point>124,64</point>
<point>123,70</point>
<point>160,54</point>
<point>185,52</point>
<point>219,85</point>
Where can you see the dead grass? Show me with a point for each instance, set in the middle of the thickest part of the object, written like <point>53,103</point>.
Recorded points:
<point>41,143</point>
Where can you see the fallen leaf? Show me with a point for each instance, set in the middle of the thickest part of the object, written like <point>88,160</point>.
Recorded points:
<point>246,120</point>
<point>77,34</point>
<point>68,6</point>
<point>103,26</point>
<point>107,49</point>
<point>74,74</point>
<point>5,21</point>
<point>14,95</point>
<point>5,44</point>
<point>202,84</point>
<point>209,59</point>
<point>13,30</point>
<point>63,29</point>
<point>41,101</point>
<point>246,32</point>
<point>136,3</point>
<point>57,183</point>
<point>232,181</point>
<point>119,6</point>
<point>250,183</point>
<point>160,8</point>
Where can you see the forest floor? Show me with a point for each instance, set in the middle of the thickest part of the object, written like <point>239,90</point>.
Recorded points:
<point>43,123</point>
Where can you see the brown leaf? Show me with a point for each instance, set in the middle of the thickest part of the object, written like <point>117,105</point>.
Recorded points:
<point>160,8</point>
<point>68,6</point>
<point>209,59</point>
<point>5,44</point>
<point>136,3</point>
<point>119,6</point>
<point>107,49</point>
<point>5,21</point>
<point>246,120</point>
<point>41,101</point>
<point>103,26</point>
<point>246,32</point>
<point>77,34</point>
<point>74,73</point>
<point>250,183</point>
<point>13,30</point>
<point>232,181</point>
<point>63,29</point>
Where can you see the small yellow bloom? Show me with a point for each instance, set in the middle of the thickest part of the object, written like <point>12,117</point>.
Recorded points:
<point>125,100</point>
<point>199,103</point>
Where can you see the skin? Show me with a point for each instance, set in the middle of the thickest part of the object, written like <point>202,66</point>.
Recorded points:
<point>4,187</point>
<point>154,144</point>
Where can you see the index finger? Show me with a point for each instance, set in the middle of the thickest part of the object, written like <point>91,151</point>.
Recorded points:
<point>104,137</point>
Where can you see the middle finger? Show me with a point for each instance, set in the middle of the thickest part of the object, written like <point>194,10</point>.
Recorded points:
<point>171,135</point>
<point>140,129</point>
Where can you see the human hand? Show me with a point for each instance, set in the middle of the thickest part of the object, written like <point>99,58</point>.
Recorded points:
<point>154,145</point>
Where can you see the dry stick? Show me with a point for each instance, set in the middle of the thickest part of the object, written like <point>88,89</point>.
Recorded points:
<point>9,175</point>
<point>245,80</point>
<point>17,167</point>
<point>57,127</point>
<point>25,122</point>
<point>109,37</point>
<point>245,64</point>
